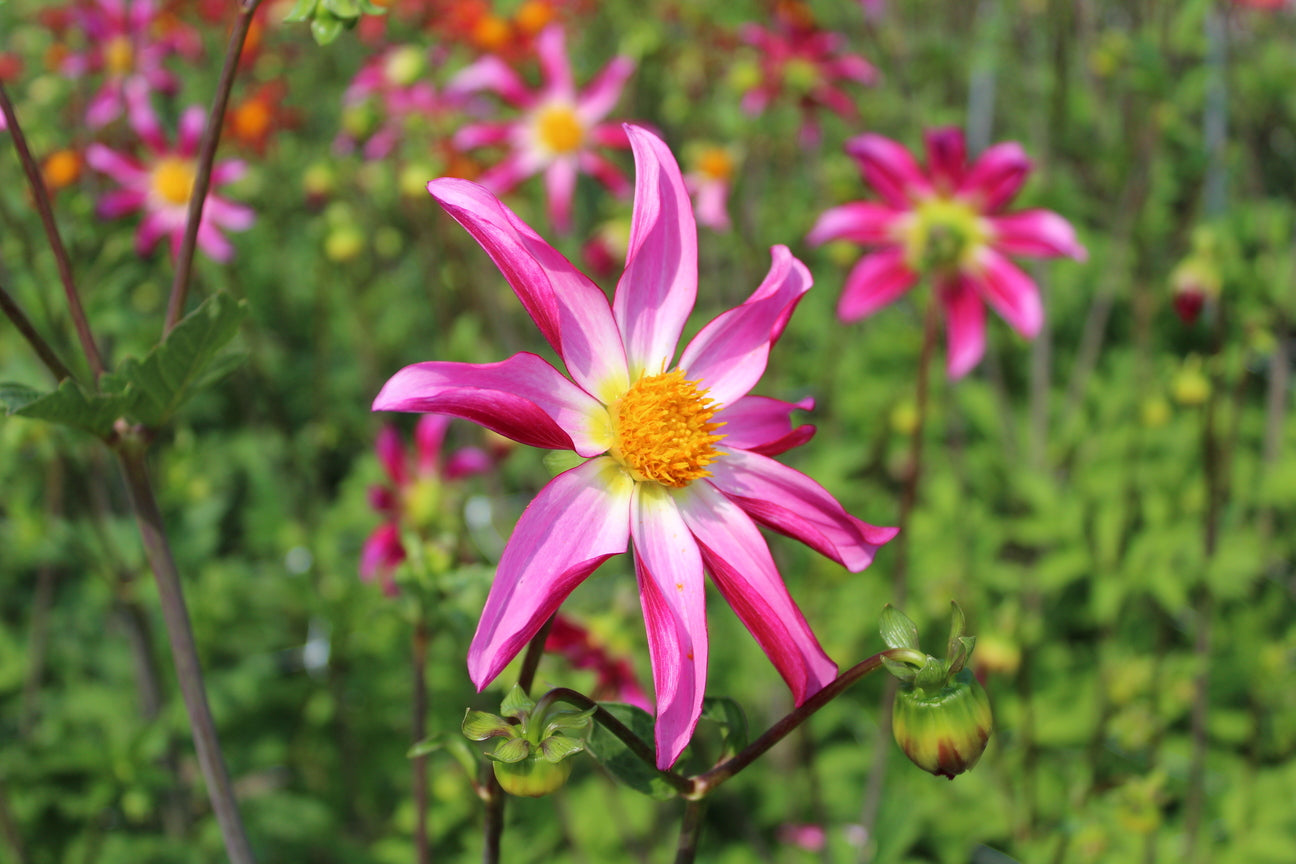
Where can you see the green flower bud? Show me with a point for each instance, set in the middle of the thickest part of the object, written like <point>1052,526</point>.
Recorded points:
<point>533,776</point>
<point>943,732</point>
<point>531,760</point>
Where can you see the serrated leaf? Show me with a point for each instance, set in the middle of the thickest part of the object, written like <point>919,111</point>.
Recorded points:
<point>16,396</point>
<point>897,630</point>
<point>556,748</point>
<point>729,716</point>
<point>478,725</point>
<point>517,703</point>
<point>610,752</point>
<point>172,372</point>
<point>69,405</point>
<point>512,750</point>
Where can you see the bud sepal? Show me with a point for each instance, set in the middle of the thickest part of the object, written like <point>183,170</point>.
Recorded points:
<point>531,760</point>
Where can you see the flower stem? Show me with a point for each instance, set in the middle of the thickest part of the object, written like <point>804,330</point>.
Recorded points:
<point>690,831</point>
<point>41,197</point>
<point>184,653</point>
<point>37,342</point>
<point>422,851</point>
<point>206,158</point>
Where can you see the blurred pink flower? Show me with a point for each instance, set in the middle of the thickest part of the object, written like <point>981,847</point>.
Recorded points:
<point>616,677</point>
<point>413,481</point>
<point>709,182</point>
<point>162,183</point>
<point>809,63</point>
<point>812,838</point>
<point>947,221</point>
<point>125,45</point>
<point>558,130</point>
<point>658,472</point>
<point>388,92</point>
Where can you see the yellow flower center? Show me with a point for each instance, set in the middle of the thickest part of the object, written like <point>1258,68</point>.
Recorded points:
<point>716,163</point>
<point>802,76</point>
<point>664,430</point>
<point>559,130</point>
<point>119,56</point>
<point>943,234</point>
<point>172,180</point>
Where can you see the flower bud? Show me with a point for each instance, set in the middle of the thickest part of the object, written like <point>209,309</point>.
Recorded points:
<point>531,759</point>
<point>533,776</point>
<point>943,732</point>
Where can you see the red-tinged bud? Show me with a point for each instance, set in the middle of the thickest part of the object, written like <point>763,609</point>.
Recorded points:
<point>943,732</point>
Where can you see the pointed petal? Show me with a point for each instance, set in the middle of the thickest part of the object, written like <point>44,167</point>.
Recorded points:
<point>867,222</point>
<point>119,202</point>
<point>1035,232</point>
<point>579,520</point>
<point>228,215</point>
<point>381,553</point>
<point>472,135</point>
<point>523,398</point>
<point>228,171</point>
<point>791,503</point>
<point>996,176</point>
<point>604,171</point>
<point>210,240</point>
<point>570,310</point>
<point>121,168</point>
<point>656,293</point>
<point>192,122</point>
<point>1010,292</point>
<point>964,326</point>
<point>600,96</point>
<point>729,354</point>
<point>391,453</point>
<point>876,280</point>
<point>560,186</point>
<point>739,561</point>
<point>467,461</point>
<point>889,168</point>
<point>551,48</point>
<point>507,173</point>
<point>764,425</point>
<point>490,73</point>
<point>671,591</point>
<point>946,157</point>
<point>429,438</point>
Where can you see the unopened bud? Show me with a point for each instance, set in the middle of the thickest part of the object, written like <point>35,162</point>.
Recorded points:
<point>531,760</point>
<point>943,732</point>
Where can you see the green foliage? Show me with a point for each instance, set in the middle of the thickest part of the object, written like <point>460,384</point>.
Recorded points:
<point>619,761</point>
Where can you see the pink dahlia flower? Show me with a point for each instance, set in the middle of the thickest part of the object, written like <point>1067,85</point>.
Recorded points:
<point>948,221</point>
<point>415,488</point>
<point>160,184</point>
<point>676,453</point>
<point>710,182</point>
<point>559,130</point>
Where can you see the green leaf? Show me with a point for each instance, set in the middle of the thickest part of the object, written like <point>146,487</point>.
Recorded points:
<point>478,725</point>
<point>933,675</point>
<point>325,28</point>
<point>345,9</point>
<point>302,11</point>
<point>897,630</point>
<point>17,396</point>
<point>556,748</point>
<point>69,405</point>
<point>517,703</point>
<point>729,716</point>
<point>174,370</point>
<point>568,720</point>
<point>902,671</point>
<point>610,752</point>
<point>511,750</point>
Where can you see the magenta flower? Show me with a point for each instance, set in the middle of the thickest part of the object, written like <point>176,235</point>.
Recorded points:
<point>677,455</point>
<point>808,63</point>
<point>710,182</point>
<point>414,491</point>
<point>161,183</point>
<point>947,221</point>
<point>121,43</point>
<point>559,129</point>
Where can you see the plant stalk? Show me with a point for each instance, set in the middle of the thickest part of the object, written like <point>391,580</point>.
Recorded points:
<point>422,850</point>
<point>42,348</point>
<point>690,831</point>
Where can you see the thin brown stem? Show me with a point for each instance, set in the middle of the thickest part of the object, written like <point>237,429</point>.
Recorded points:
<point>43,207</point>
<point>422,851</point>
<point>184,653</point>
<point>690,831</point>
<point>206,158</point>
<point>42,348</point>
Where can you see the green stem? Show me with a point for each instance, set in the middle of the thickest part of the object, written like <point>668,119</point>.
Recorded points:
<point>206,158</point>
<point>422,850</point>
<point>42,348</point>
<point>40,195</point>
<point>184,653</point>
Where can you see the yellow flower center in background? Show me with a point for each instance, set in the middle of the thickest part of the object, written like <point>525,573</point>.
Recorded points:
<point>716,163</point>
<point>119,56</point>
<point>943,234</point>
<point>664,430</point>
<point>559,130</point>
<point>172,180</point>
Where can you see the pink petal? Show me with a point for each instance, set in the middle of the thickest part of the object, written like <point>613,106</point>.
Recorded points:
<point>192,122</point>
<point>876,280</point>
<point>605,172</point>
<point>729,354</point>
<point>474,135</point>
<point>1036,232</point>
<point>964,325</point>
<point>669,568</point>
<point>551,48</point>
<point>791,503</point>
<point>391,454</point>
<point>228,215</point>
<point>738,559</point>
<point>381,553</point>
<point>890,169</point>
<point>507,173</point>
<point>600,96</point>
<point>854,67</point>
<point>523,398</point>
<point>119,202</point>
<point>490,73</point>
<point>429,438</point>
<point>946,157</point>
<point>579,520</point>
<point>711,204</point>
<point>151,229</point>
<point>764,425</point>
<point>142,118</point>
<point>123,169</point>
<point>467,461</point>
<point>105,106</point>
<point>570,310</point>
<point>835,100</point>
<point>866,222</point>
<point>1010,292</point>
<point>656,293</point>
<point>560,186</point>
<point>228,171</point>
<point>210,240</point>
<point>996,176</point>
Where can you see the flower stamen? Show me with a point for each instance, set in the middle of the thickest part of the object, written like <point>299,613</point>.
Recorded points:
<point>559,130</point>
<point>172,180</point>
<point>664,430</point>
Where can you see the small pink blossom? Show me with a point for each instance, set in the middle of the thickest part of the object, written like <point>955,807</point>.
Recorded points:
<point>560,128</point>
<point>412,481</point>
<point>160,184</point>
<point>810,837</point>
<point>677,454</point>
<point>709,183</point>
<point>388,93</point>
<point>946,220</point>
